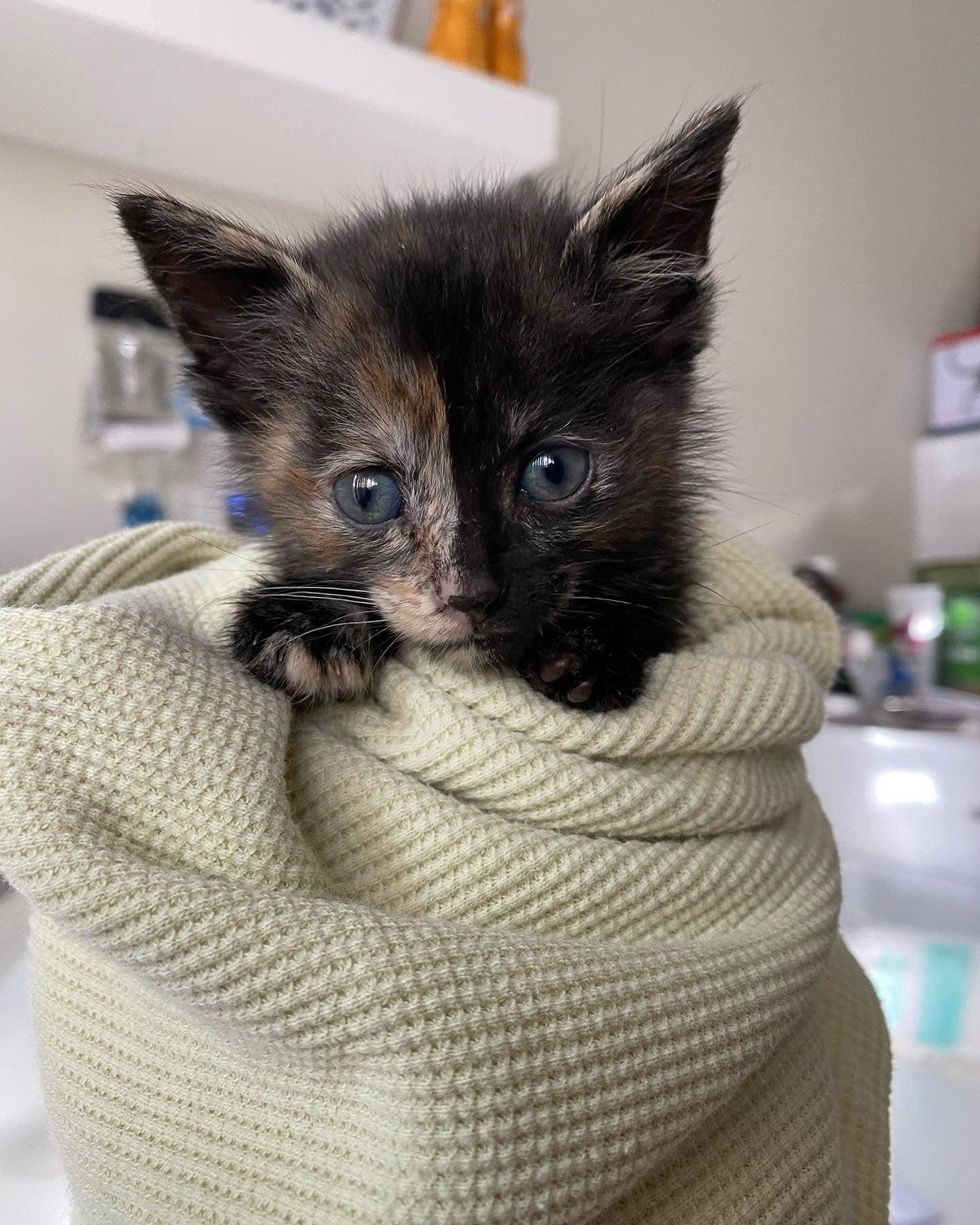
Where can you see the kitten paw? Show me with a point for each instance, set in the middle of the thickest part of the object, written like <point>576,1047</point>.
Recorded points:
<point>308,674</point>
<point>583,672</point>
<point>293,650</point>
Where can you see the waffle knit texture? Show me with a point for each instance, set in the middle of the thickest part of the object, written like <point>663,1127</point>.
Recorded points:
<point>454,955</point>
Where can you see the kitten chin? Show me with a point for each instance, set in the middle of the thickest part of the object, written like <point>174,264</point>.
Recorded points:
<point>478,408</point>
<point>470,657</point>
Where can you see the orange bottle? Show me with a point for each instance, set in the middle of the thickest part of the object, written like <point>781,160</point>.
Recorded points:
<point>458,33</point>
<point>505,54</point>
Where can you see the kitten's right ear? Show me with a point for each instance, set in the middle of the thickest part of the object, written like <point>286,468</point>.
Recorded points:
<point>214,275</point>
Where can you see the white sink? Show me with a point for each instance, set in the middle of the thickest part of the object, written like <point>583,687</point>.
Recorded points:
<point>905,807</point>
<point>33,1190</point>
<point>904,800</point>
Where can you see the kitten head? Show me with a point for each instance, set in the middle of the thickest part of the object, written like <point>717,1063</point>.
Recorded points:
<point>479,409</point>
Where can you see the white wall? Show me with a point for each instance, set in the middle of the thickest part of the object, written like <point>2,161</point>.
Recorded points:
<point>849,237</point>
<point>59,238</point>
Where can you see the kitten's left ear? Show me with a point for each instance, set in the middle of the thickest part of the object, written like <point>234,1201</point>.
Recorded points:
<point>647,230</point>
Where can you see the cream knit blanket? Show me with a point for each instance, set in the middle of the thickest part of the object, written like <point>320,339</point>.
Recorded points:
<point>453,955</point>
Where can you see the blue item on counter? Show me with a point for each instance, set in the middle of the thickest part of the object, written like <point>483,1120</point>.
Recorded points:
<point>246,514</point>
<point>946,979</point>
<point>141,509</point>
<point>900,682</point>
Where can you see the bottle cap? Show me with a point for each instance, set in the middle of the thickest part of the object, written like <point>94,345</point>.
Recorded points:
<point>122,306</point>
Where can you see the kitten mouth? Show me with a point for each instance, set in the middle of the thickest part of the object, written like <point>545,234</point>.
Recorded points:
<point>446,628</point>
<point>413,618</point>
<point>463,621</point>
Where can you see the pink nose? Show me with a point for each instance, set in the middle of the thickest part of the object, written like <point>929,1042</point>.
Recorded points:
<point>473,595</point>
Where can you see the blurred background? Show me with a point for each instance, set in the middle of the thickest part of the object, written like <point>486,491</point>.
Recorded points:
<point>847,368</point>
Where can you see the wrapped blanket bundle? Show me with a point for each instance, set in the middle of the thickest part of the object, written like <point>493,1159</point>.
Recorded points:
<point>452,955</point>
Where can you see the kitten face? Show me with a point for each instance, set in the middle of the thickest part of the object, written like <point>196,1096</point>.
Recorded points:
<point>454,402</point>
<point>476,411</point>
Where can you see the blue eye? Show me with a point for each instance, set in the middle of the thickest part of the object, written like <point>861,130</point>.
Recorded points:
<point>555,474</point>
<point>370,496</point>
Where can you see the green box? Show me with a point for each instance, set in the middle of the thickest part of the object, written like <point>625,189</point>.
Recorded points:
<point>959,656</point>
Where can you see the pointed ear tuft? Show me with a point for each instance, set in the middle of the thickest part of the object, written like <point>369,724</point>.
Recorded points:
<point>212,273</point>
<point>662,207</point>
<point>643,240</point>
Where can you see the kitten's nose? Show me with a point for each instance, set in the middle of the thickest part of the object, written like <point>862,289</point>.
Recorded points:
<point>472,595</point>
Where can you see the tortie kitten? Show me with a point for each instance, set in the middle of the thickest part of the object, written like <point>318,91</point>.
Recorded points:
<point>472,420</point>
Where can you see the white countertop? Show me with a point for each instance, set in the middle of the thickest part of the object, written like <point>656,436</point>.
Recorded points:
<point>33,1190</point>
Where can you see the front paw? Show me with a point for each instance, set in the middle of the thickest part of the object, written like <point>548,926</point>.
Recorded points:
<point>306,672</point>
<point>295,650</point>
<point>581,669</point>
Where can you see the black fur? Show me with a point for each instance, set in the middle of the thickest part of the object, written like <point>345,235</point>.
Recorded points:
<point>447,341</point>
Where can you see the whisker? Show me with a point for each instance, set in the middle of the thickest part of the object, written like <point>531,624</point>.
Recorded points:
<point>731,603</point>
<point>335,625</point>
<point>664,598</point>
<point>605,599</point>
<point>754,497</point>
<point>201,609</point>
<point>313,587</point>
<point>307,598</point>
<point>684,625</point>
<point>299,593</point>
<point>251,561</point>
<point>385,653</point>
<point>758,528</point>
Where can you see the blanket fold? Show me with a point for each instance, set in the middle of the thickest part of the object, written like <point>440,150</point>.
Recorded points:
<point>452,954</point>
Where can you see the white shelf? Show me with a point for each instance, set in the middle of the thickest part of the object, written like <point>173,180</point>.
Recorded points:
<point>246,95</point>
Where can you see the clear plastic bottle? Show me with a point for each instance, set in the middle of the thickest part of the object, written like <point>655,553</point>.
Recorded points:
<point>198,491</point>
<point>134,437</point>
